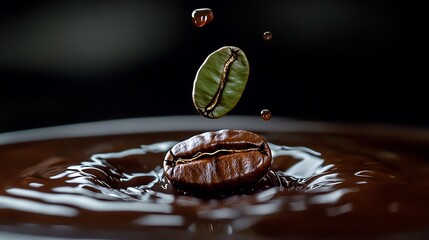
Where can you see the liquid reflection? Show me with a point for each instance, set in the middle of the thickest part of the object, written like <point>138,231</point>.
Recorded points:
<point>330,197</point>
<point>36,207</point>
<point>335,211</point>
<point>90,203</point>
<point>160,220</point>
<point>308,171</point>
<point>210,228</point>
<point>308,161</point>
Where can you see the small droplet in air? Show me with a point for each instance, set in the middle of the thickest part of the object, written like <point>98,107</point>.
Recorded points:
<point>202,16</point>
<point>266,114</point>
<point>268,36</point>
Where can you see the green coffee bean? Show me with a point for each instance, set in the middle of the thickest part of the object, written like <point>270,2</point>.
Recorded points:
<point>220,82</point>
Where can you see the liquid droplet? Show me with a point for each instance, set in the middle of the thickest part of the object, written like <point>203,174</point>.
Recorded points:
<point>266,114</point>
<point>202,16</point>
<point>268,36</point>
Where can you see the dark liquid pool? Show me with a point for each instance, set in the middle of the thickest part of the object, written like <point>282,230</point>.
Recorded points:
<point>319,185</point>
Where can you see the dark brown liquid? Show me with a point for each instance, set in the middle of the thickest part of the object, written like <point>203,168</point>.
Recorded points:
<point>202,16</point>
<point>266,114</point>
<point>337,185</point>
<point>268,36</point>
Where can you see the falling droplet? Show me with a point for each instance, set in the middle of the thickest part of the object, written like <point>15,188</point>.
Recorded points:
<point>202,16</point>
<point>266,114</point>
<point>268,36</point>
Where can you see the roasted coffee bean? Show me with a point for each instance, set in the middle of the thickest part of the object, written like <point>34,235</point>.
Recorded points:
<point>218,162</point>
<point>220,82</point>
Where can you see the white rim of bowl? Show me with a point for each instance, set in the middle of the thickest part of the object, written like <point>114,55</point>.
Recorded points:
<point>198,123</point>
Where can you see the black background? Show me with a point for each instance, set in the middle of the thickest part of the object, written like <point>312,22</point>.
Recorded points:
<point>77,61</point>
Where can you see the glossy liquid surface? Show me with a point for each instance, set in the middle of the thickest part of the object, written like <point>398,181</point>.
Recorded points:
<point>319,185</point>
